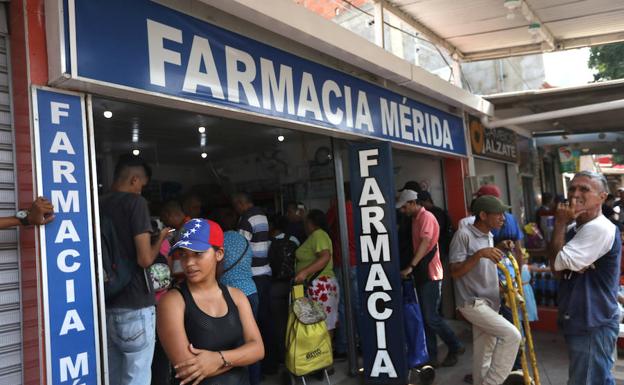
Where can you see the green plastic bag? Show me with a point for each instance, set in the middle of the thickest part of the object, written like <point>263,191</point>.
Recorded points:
<point>308,344</point>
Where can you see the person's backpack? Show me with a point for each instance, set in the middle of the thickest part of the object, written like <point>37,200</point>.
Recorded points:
<point>282,258</point>
<point>118,270</point>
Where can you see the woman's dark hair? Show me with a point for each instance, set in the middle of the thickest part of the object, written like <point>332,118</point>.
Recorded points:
<point>318,219</point>
<point>280,223</point>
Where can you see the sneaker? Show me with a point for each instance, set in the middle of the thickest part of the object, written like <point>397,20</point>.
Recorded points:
<point>516,377</point>
<point>468,378</point>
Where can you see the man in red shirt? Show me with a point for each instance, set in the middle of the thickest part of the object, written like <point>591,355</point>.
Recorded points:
<point>426,269</point>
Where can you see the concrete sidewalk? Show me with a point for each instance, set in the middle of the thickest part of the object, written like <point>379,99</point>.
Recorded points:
<point>549,348</point>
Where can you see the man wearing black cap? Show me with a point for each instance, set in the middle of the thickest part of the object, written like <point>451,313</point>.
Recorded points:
<point>473,259</point>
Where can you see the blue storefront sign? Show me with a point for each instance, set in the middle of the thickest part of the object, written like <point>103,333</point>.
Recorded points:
<point>143,46</point>
<point>67,257</point>
<point>381,319</point>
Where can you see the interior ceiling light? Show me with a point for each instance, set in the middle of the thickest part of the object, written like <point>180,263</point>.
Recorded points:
<point>280,138</point>
<point>585,150</point>
<point>511,6</point>
<point>202,140</point>
<point>201,129</point>
<point>204,155</point>
<point>108,114</point>
<point>135,135</point>
<point>136,152</point>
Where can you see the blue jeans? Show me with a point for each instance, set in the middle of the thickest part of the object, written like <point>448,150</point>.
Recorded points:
<point>591,356</point>
<point>340,341</point>
<point>131,339</point>
<point>429,294</point>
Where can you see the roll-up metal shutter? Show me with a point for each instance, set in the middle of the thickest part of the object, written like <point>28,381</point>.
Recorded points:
<point>10,306</point>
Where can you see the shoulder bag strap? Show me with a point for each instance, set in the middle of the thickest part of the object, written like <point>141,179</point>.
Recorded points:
<point>239,258</point>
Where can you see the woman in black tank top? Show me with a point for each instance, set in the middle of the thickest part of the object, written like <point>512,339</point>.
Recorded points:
<point>207,330</point>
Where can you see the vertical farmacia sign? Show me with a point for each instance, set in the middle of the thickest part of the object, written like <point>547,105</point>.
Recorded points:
<point>372,194</point>
<point>67,252</point>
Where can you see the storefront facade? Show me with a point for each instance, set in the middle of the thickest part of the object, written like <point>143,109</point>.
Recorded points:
<point>202,59</point>
<point>495,153</point>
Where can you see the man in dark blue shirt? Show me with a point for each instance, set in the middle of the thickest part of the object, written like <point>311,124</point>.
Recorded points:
<point>586,254</point>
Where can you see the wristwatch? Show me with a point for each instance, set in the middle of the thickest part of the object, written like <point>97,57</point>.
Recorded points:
<point>22,215</point>
<point>226,363</point>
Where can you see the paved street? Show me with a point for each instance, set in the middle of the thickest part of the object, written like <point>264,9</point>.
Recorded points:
<point>550,351</point>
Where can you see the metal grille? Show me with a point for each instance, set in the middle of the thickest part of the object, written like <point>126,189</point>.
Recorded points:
<point>10,309</point>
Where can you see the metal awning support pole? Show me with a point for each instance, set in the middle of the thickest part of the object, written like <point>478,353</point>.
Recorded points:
<point>344,247</point>
<point>566,112</point>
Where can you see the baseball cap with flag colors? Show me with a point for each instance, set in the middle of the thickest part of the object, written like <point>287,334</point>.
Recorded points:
<point>199,235</point>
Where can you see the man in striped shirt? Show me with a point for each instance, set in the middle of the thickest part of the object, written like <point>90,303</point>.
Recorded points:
<point>254,226</point>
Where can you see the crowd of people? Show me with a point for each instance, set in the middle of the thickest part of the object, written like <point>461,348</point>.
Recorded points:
<point>222,319</point>
<point>215,310</point>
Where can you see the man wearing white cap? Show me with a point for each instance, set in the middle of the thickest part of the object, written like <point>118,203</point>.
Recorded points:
<point>426,269</point>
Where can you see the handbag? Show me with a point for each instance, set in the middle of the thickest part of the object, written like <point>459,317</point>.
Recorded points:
<point>417,354</point>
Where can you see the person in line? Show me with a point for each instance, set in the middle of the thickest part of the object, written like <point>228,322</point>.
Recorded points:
<point>585,251</point>
<point>545,213</point>
<point>192,206</point>
<point>172,215</point>
<point>444,221</point>
<point>620,199</point>
<point>161,279</point>
<point>282,259</point>
<point>206,328</point>
<point>446,234</point>
<point>254,226</point>
<point>295,213</point>
<point>314,260</point>
<point>608,209</point>
<point>340,341</point>
<point>130,315</point>
<point>235,271</point>
<point>41,212</point>
<point>426,257</point>
<point>473,259</point>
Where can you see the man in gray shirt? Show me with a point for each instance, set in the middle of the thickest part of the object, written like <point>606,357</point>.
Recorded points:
<point>473,259</point>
